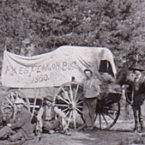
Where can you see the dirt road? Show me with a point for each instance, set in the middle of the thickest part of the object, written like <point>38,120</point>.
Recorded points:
<point>91,138</point>
<point>120,134</point>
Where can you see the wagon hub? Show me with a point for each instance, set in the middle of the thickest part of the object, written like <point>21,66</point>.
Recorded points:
<point>72,105</point>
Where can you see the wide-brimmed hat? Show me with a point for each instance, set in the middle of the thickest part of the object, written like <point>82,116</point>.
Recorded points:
<point>19,101</point>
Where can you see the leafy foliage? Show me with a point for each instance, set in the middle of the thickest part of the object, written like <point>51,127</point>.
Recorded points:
<point>116,24</point>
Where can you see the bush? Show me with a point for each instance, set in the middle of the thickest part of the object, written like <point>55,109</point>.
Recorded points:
<point>49,24</point>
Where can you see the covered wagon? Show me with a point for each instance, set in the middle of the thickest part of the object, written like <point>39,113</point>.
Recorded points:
<point>58,75</point>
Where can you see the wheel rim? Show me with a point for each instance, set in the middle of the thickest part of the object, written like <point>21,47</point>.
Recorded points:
<point>8,107</point>
<point>107,115</point>
<point>69,100</point>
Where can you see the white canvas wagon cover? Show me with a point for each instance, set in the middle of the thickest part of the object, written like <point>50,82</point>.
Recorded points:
<point>53,68</point>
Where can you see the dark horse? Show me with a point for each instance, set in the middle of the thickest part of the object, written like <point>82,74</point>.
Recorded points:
<point>135,92</point>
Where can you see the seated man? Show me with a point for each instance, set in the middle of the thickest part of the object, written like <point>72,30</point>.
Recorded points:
<point>47,120</point>
<point>20,128</point>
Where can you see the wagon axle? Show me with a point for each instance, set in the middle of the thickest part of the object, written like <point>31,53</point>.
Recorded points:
<point>72,106</point>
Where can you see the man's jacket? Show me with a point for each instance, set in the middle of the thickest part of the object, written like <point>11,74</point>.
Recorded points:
<point>23,123</point>
<point>139,84</point>
<point>92,88</point>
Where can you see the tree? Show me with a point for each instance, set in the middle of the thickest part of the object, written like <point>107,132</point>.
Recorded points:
<point>116,24</point>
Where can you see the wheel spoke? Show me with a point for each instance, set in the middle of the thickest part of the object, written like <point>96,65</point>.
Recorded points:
<point>76,92</point>
<point>17,94</point>
<point>105,119</point>
<point>67,113</point>
<point>8,96</point>
<point>7,107</point>
<point>66,95</point>
<point>80,102</point>
<point>108,115</point>
<point>66,109</point>
<point>112,112</point>
<point>78,97</point>
<point>100,123</point>
<point>8,111</point>
<point>70,116</point>
<point>113,109</point>
<point>61,98</point>
<point>111,116</point>
<point>71,92</point>
<point>6,104</point>
<point>12,97</point>
<point>9,101</point>
<point>61,105</point>
<point>28,103</point>
<point>74,118</point>
<point>70,101</point>
<point>78,106</point>
<point>79,111</point>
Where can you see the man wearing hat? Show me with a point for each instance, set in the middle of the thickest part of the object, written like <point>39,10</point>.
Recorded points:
<point>139,79</point>
<point>20,128</point>
<point>48,121</point>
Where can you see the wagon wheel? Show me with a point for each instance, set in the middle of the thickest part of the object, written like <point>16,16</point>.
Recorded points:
<point>107,114</point>
<point>8,107</point>
<point>69,99</point>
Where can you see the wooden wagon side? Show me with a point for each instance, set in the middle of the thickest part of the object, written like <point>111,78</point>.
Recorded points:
<point>32,97</point>
<point>69,98</point>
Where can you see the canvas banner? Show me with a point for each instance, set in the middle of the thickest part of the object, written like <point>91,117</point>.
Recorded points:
<point>51,69</point>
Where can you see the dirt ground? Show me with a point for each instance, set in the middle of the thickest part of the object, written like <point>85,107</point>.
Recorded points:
<point>91,138</point>
<point>94,137</point>
<point>120,134</point>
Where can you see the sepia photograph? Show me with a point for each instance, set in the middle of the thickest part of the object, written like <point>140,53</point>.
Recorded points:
<point>72,72</point>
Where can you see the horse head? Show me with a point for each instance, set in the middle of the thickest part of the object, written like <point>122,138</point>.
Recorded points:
<point>124,76</point>
<point>130,77</point>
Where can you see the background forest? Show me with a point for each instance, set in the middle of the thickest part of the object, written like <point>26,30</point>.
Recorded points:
<point>48,24</point>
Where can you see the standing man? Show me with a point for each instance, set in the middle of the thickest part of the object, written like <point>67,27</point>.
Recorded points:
<point>20,128</point>
<point>139,79</point>
<point>91,93</point>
